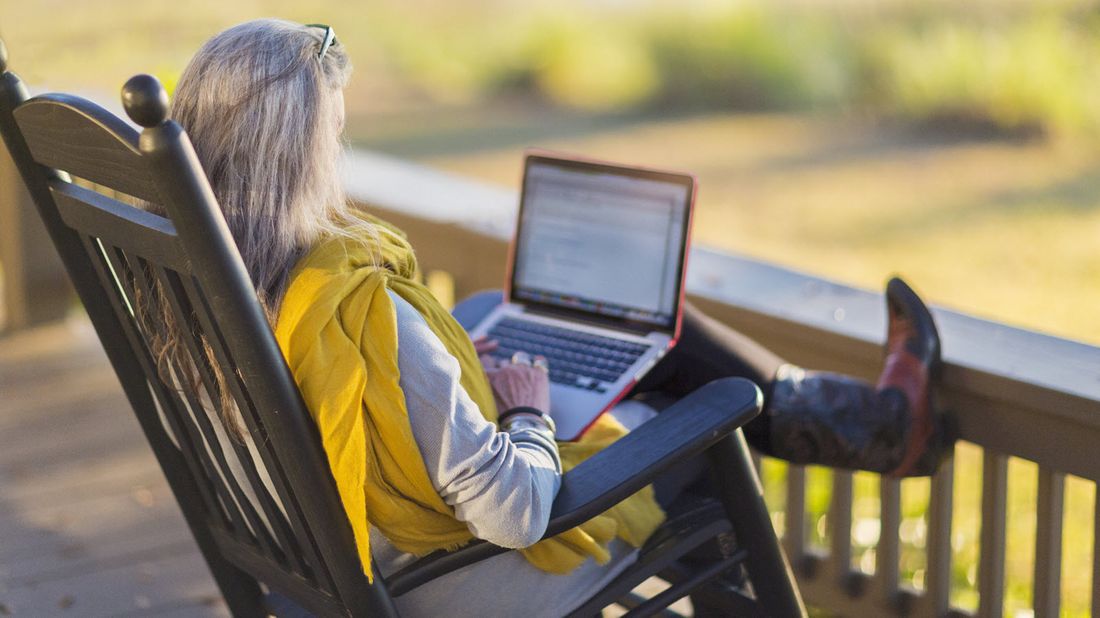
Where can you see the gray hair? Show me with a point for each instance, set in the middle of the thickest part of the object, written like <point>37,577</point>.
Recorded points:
<point>265,115</point>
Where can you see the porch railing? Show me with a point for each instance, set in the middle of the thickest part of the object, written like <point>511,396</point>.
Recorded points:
<point>1016,394</point>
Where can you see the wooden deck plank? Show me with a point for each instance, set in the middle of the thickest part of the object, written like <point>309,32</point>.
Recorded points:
<point>124,470</point>
<point>58,395</point>
<point>88,525</point>
<point>79,442</point>
<point>135,588</point>
<point>58,538</point>
<point>44,341</point>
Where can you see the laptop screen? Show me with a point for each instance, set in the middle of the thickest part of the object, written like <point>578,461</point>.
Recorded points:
<point>603,240</point>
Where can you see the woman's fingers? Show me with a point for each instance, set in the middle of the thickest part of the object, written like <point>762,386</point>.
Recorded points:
<point>518,385</point>
<point>483,345</point>
<point>540,362</point>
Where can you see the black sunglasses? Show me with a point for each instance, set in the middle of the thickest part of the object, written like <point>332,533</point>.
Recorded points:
<point>329,40</point>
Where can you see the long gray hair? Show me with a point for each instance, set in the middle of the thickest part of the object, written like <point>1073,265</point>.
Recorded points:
<point>265,114</point>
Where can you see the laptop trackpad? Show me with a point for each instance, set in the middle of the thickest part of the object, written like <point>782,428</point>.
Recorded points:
<point>574,409</point>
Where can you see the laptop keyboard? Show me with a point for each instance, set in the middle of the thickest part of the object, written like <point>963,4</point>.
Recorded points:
<point>575,358</point>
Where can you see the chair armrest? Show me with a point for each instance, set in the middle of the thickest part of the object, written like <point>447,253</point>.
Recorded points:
<point>685,429</point>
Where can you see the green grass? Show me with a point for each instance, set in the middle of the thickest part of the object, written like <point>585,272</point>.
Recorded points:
<point>1034,74</point>
<point>1017,67</point>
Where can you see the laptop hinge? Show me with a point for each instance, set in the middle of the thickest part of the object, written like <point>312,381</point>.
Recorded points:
<point>640,330</point>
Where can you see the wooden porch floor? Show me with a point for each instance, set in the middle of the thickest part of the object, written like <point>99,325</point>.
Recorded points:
<point>88,526</point>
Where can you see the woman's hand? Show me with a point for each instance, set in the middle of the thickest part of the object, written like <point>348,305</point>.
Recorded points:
<point>520,383</point>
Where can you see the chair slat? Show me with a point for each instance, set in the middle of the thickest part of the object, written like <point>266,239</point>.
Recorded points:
<point>168,394</point>
<point>991,565</point>
<point>304,593</point>
<point>248,411</point>
<point>184,313</point>
<point>110,282</point>
<point>938,584</point>
<point>1048,542</point>
<point>85,140</point>
<point>137,231</point>
<point>887,565</point>
<point>205,439</point>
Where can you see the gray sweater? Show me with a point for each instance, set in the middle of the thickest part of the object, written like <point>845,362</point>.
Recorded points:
<point>501,485</point>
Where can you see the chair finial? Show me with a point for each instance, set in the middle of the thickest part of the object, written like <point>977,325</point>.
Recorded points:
<point>145,100</point>
<point>3,56</point>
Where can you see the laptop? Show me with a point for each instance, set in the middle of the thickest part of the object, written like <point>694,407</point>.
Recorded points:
<point>595,279</point>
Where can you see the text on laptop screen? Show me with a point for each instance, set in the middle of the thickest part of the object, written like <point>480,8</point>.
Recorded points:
<point>601,242</point>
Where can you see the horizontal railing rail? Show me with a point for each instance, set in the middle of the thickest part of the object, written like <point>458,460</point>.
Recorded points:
<point>1015,393</point>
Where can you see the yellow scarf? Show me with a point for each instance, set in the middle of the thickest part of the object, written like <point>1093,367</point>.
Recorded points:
<point>337,329</point>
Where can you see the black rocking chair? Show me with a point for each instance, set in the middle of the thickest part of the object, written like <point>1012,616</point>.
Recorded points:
<point>290,550</point>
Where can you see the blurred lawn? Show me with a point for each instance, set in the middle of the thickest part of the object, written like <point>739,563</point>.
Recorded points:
<point>954,143</point>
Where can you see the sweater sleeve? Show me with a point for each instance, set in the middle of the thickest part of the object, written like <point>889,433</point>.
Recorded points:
<point>501,485</point>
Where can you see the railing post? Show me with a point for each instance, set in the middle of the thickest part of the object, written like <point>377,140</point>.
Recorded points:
<point>840,523</point>
<point>794,535</point>
<point>937,582</point>
<point>33,287</point>
<point>1048,542</point>
<point>991,565</point>
<point>887,551</point>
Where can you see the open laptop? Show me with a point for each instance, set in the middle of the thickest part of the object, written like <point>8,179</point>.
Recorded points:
<point>596,279</point>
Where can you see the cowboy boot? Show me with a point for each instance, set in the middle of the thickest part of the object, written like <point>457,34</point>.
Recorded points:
<point>840,421</point>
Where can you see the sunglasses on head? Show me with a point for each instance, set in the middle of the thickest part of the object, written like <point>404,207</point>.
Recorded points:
<point>329,40</point>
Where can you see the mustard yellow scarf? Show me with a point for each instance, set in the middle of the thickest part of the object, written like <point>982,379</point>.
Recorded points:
<point>337,329</point>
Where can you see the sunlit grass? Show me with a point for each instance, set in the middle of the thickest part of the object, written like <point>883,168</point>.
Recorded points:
<point>1034,74</point>
<point>1020,66</point>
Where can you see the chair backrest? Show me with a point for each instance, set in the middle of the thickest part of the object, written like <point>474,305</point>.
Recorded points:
<point>82,165</point>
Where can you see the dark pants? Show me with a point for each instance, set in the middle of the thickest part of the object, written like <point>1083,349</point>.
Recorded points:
<point>709,350</point>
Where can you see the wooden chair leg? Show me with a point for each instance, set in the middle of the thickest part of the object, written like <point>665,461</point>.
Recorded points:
<point>742,496</point>
<point>242,595</point>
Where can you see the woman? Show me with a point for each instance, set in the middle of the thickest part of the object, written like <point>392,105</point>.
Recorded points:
<point>407,411</point>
